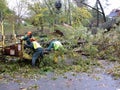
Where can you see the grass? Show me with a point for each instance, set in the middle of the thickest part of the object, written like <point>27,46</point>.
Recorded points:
<point>106,47</point>
<point>23,69</point>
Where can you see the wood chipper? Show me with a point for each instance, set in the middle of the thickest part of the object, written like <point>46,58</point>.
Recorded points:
<point>14,49</point>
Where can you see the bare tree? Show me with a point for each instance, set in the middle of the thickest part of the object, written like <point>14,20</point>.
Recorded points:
<point>79,2</point>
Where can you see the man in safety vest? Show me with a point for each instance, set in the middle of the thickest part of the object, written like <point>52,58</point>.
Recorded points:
<point>55,44</point>
<point>38,50</point>
<point>58,48</point>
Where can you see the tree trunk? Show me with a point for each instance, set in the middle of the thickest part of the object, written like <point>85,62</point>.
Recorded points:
<point>69,13</point>
<point>102,10</point>
<point>97,14</point>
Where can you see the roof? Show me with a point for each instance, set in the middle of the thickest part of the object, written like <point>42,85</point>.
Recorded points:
<point>114,13</point>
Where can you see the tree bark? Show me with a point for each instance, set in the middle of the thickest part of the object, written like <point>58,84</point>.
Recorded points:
<point>102,10</point>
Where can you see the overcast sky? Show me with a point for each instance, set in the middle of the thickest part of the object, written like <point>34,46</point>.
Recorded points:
<point>112,4</point>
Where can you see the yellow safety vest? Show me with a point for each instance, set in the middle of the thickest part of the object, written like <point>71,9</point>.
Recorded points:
<point>57,45</point>
<point>36,45</point>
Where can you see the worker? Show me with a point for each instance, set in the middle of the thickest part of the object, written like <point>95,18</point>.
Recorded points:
<point>38,50</point>
<point>58,49</point>
<point>27,37</point>
<point>55,45</point>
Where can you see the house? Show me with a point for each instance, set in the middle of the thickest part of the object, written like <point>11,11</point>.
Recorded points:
<point>114,13</point>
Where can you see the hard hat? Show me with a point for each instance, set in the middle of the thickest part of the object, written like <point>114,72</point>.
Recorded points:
<point>29,33</point>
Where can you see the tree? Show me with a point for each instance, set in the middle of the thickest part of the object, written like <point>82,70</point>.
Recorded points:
<point>21,8</point>
<point>81,16</point>
<point>80,2</point>
<point>4,10</point>
<point>44,12</point>
<point>38,13</point>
